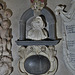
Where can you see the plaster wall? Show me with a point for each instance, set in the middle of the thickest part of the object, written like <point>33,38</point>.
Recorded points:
<point>18,7</point>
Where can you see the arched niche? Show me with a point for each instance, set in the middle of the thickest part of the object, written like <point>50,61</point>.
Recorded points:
<point>51,28</point>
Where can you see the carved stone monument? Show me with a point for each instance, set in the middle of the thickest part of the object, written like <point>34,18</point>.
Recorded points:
<point>38,60</point>
<point>5,40</point>
<point>68,33</point>
<point>37,40</point>
<point>37,32</point>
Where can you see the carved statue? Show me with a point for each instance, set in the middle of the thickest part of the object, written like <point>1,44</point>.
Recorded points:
<point>37,32</point>
<point>5,33</point>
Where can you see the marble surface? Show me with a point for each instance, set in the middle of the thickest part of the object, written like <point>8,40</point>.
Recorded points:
<point>68,21</point>
<point>18,7</point>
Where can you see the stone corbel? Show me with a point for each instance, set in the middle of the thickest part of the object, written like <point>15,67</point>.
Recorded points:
<point>48,52</point>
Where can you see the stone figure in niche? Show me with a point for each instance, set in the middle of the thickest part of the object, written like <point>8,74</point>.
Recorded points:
<point>38,31</point>
<point>5,34</point>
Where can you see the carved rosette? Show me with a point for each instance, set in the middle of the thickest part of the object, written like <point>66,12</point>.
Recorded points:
<point>5,40</point>
<point>30,51</point>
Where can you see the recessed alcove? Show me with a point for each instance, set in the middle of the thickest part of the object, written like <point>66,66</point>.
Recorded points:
<point>51,28</point>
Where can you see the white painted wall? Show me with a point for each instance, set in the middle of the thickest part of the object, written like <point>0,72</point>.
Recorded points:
<point>18,7</point>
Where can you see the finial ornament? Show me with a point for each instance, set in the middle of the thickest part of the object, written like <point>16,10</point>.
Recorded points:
<point>38,31</point>
<point>37,4</point>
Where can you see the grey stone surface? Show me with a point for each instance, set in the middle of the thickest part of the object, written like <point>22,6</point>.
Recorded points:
<point>42,42</point>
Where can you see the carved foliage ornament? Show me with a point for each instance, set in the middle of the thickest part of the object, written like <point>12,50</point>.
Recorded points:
<point>48,52</point>
<point>5,40</point>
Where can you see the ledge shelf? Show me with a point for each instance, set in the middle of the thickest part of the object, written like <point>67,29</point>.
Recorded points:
<point>43,42</point>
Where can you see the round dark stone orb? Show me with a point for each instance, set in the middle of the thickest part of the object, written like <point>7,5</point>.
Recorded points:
<point>37,64</point>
